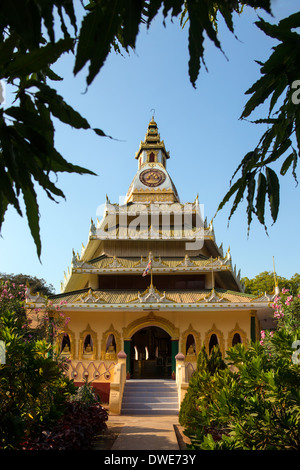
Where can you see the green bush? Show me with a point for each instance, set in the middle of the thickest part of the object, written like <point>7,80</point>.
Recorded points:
<point>86,395</point>
<point>254,403</point>
<point>201,380</point>
<point>33,387</point>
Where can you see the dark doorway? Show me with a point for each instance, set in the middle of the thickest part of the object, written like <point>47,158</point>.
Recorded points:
<point>151,356</point>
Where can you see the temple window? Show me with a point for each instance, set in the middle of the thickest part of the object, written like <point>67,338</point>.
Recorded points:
<point>151,158</point>
<point>65,344</point>
<point>213,342</point>
<point>111,344</point>
<point>236,339</point>
<point>190,345</point>
<point>88,344</point>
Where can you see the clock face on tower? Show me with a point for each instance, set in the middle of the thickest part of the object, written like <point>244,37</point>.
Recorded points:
<point>152,177</point>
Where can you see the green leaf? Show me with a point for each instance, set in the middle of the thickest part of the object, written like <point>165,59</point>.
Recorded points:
<point>281,86</point>
<point>60,109</point>
<point>251,182</point>
<point>286,164</point>
<point>239,196</point>
<point>261,91</point>
<point>32,119</point>
<point>32,211</point>
<point>25,20</point>
<point>273,192</point>
<point>261,197</point>
<point>132,20</point>
<point>98,30</point>
<point>200,22</point>
<point>229,194</point>
<point>37,59</point>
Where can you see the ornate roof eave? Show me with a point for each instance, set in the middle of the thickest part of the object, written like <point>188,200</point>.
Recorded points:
<point>152,145</point>
<point>168,299</point>
<point>159,266</point>
<point>165,304</point>
<point>135,208</point>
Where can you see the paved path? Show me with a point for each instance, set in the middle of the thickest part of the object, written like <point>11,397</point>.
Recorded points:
<point>145,432</point>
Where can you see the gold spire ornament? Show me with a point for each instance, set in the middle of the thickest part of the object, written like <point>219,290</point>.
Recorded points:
<point>277,291</point>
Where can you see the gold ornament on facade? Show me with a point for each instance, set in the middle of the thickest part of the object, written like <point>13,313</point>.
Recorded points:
<point>233,332</point>
<point>152,177</point>
<point>150,320</point>
<point>191,353</point>
<point>110,351</point>
<point>220,338</point>
<point>88,350</point>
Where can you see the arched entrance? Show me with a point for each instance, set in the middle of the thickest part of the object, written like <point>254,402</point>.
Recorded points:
<point>151,354</point>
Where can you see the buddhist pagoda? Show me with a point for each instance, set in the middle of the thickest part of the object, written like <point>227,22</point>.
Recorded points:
<point>150,287</point>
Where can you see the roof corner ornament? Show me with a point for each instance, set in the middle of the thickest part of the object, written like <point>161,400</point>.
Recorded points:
<point>92,228</point>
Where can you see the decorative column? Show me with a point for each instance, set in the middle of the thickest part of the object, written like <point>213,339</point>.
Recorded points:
<point>174,353</point>
<point>127,350</point>
<point>181,383</point>
<point>117,386</point>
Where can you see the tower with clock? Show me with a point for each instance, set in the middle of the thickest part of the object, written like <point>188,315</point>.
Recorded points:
<point>152,182</point>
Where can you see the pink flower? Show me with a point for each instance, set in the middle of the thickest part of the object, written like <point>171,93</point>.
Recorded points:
<point>285,291</point>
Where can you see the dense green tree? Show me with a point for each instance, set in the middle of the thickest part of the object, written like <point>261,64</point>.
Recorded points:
<point>34,34</point>
<point>265,282</point>
<point>35,284</point>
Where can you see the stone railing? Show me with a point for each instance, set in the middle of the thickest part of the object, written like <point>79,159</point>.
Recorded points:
<point>91,371</point>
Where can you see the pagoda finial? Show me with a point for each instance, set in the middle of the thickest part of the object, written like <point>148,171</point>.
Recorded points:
<point>153,113</point>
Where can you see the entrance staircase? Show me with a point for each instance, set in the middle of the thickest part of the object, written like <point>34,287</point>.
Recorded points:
<point>150,397</point>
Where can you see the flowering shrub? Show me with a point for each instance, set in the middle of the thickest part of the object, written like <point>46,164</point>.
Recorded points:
<point>33,387</point>
<point>255,402</point>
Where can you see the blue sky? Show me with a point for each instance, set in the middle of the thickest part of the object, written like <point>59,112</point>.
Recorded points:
<point>200,128</point>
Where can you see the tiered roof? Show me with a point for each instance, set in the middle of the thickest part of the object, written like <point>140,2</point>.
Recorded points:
<point>121,241</point>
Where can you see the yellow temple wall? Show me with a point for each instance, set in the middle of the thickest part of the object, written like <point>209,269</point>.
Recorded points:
<point>99,365</point>
<point>179,323</point>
